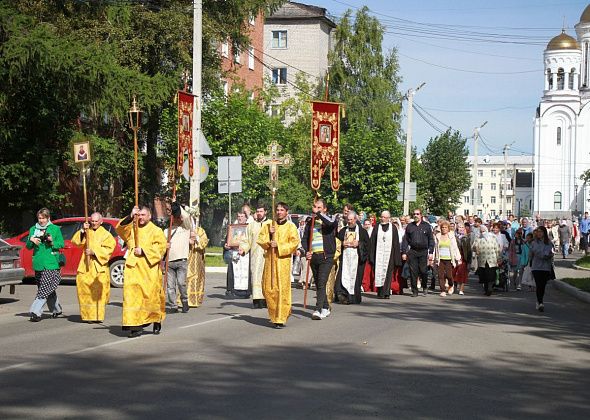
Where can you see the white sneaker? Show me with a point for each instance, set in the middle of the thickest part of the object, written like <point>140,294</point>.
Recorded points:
<point>443,293</point>
<point>541,307</point>
<point>316,315</point>
<point>537,306</point>
<point>461,292</point>
<point>325,313</point>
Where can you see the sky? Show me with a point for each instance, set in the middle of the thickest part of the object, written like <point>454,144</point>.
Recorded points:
<point>499,82</point>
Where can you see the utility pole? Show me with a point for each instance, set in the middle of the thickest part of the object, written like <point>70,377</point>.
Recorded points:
<point>505,180</point>
<point>195,183</point>
<point>475,159</point>
<point>410,98</point>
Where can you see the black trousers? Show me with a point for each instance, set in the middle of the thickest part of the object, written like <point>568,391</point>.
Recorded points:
<point>418,261</point>
<point>321,267</point>
<point>541,279</point>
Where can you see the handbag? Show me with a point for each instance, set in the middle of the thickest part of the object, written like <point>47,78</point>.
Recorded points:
<point>61,259</point>
<point>527,276</point>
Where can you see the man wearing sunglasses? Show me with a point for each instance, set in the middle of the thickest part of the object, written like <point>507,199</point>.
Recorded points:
<point>418,249</point>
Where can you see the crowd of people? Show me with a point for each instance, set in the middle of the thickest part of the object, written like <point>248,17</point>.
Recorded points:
<point>341,256</point>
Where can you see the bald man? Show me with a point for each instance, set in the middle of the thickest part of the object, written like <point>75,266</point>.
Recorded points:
<point>385,254</point>
<point>92,281</point>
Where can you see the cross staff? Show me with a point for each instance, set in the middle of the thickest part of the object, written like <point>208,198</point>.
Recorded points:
<point>273,161</point>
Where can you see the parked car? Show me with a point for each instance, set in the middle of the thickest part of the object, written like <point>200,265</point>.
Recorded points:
<point>11,272</point>
<point>69,226</point>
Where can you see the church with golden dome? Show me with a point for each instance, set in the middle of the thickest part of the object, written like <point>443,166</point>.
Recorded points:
<point>562,126</point>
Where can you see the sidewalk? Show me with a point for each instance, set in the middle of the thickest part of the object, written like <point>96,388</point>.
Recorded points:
<point>564,268</point>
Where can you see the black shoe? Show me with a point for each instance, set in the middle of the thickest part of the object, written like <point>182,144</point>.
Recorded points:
<point>414,294</point>
<point>135,333</point>
<point>55,315</point>
<point>185,307</point>
<point>171,310</point>
<point>263,304</point>
<point>386,297</point>
<point>489,293</point>
<point>34,318</point>
<point>157,328</point>
<point>425,292</point>
<point>279,326</point>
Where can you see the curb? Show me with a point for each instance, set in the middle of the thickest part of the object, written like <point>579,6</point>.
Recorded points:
<point>216,270</point>
<point>577,267</point>
<point>572,291</point>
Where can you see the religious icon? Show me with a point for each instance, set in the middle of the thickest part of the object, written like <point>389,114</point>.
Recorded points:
<point>186,123</point>
<point>350,237</point>
<point>325,134</point>
<point>82,152</point>
<point>235,234</point>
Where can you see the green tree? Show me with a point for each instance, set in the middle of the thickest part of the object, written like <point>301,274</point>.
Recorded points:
<point>362,76</point>
<point>447,172</point>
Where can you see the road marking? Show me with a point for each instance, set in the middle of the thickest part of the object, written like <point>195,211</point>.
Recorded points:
<point>19,365</point>
<point>210,321</point>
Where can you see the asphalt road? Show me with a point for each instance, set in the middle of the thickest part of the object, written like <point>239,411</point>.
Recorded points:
<point>420,358</point>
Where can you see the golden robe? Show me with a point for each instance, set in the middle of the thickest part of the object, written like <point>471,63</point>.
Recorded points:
<point>278,293</point>
<point>249,244</point>
<point>93,281</point>
<point>332,277</point>
<point>195,278</point>
<point>144,301</point>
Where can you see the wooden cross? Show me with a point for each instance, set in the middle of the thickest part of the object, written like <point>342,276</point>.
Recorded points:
<point>273,161</point>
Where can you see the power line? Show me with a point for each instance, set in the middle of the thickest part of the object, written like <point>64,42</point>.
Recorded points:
<point>481,110</point>
<point>469,71</point>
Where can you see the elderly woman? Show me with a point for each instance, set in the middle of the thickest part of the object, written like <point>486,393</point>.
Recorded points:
<point>446,257</point>
<point>541,257</point>
<point>489,256</point>
<point>461,271</point>
<point>45,240</point>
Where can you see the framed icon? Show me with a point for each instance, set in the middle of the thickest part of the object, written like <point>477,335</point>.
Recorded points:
<point>325,133</point>
<point>82,152</point>
<point>235,234</point>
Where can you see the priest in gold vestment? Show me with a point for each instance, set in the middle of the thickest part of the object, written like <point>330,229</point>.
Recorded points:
<point>195,278</point>
<point>249,245</point>
<point>93,280</point>
<point>144,301</point>
<point>279,242</point>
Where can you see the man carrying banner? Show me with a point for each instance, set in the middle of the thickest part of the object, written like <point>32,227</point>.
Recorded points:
<point>93,280</point>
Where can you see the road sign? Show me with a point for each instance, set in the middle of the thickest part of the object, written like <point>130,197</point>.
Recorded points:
<point>412,192</point>
<point>204,148</point>
<point>229,174</point>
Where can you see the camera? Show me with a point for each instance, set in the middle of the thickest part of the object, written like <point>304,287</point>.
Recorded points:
<point>44,238</point>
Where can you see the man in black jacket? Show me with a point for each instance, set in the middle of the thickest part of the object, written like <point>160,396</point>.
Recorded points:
<point>321,253</point>
<point>418,249</point>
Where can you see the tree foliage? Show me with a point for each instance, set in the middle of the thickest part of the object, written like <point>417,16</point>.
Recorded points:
<point>362,76</point>
<point>447,172</point>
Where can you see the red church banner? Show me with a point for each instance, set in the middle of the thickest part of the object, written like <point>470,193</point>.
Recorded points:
<point>185,130</point>
<point>325,143</point>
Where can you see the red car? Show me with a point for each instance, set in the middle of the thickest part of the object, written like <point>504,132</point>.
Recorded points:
<point>69,226</point>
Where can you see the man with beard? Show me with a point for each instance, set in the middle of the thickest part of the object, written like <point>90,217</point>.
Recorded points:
<point>256,252</point>
<point>355,252</point>
<point>143,293</point>
<point>385,254</point>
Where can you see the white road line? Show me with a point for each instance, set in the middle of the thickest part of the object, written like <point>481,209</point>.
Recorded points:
<point>17,366</point>
<point>208,322</point>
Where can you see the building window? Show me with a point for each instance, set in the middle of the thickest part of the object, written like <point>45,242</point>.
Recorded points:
<point>279,76</point>
<point>559,136</point>
<point>252,20</point>
<point>251,58</point>
<point>493,200</point>
<point>493,172</point>
<point>557,201</point>
<point>479,172</point>
<point>549,79</point>
<point>493,186</point>
<point>225,88</point>
<point>509,200</point>
<point>237,56</point>
<point>571,79</point>
<point>225,49</point>
<point>560,78</point>
<point>479,186</point>
<point>493,213</point>
<point>279,39</point>
<point>466,212</point>
<point>466,199</point>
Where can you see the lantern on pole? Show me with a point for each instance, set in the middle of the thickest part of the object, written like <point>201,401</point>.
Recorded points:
<point>135,116</point>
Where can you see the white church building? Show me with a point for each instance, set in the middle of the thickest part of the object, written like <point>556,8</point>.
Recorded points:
<point>562,126</point>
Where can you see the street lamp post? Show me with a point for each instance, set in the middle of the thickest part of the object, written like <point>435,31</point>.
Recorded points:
<point>410,98</point>
<point>475,158</point>
<point>135,115</point>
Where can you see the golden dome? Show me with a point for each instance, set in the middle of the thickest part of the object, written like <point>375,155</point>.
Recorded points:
<point>563,42</point>
<point>585,18</point>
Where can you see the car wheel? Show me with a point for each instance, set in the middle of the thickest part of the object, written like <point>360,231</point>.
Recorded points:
<point>116,271</point>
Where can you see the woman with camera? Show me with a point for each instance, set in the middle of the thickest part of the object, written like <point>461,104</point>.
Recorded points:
<point>45,240</point>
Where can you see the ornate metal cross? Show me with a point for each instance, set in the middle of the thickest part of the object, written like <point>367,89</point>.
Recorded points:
<point>273,161</point>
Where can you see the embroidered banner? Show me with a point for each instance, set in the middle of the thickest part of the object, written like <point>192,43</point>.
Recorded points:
<point>185,130</point>
<point>325,143</point>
